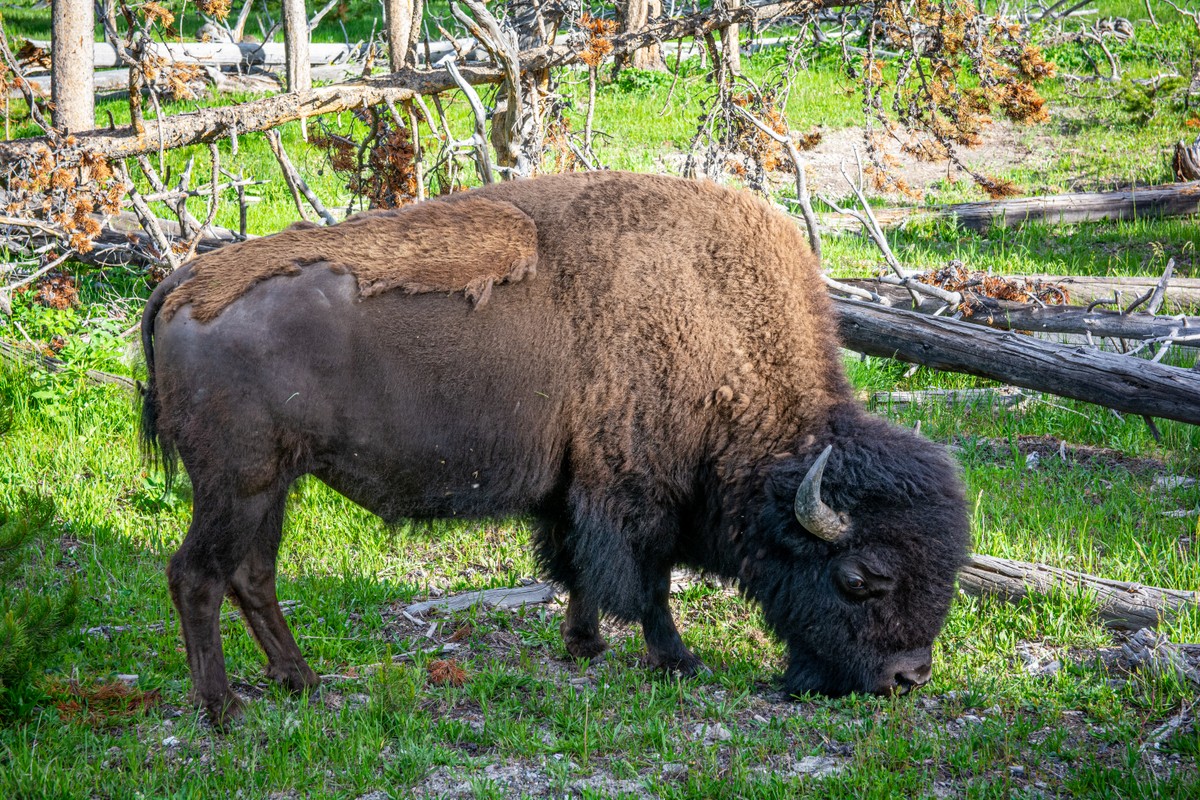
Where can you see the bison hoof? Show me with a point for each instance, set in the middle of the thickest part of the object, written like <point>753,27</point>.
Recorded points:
<point>296,678</point>
<point>685,664</point>
<point>224,712</point>
<point>589,647</point>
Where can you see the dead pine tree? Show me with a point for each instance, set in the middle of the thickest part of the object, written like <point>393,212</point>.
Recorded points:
<point>403,21</point>
<point>295,33</point>
<point>634,16</point>
<point>71,78</point>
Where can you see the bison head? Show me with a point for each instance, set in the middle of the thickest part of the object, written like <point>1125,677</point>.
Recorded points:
<point>855,566</point>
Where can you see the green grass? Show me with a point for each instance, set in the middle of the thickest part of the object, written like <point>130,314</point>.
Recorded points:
<point>529,719</point>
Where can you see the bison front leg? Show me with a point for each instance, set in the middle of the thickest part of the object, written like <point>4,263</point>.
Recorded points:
<point>253,589</point>
<point>664,647</point>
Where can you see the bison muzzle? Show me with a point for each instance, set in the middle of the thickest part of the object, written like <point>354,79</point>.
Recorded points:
<point>646,367</point>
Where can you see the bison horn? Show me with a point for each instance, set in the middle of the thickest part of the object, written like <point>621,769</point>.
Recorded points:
<point>819,519</point>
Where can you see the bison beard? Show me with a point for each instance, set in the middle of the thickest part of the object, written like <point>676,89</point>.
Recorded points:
<point>665,390</point>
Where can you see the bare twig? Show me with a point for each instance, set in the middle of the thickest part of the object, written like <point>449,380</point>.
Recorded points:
<point>295,183</point>
<point>483,159</point>
<point>802,197</point>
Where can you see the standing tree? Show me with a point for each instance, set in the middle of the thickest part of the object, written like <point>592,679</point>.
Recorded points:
<point>403,19</point>
<point>71,78</point>
<point>295,34</point>
<point>634,15</point>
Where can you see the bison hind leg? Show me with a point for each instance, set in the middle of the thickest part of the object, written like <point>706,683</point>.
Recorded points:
<point>199,576</point>
<point>252,588</point>
<point>581,627</point>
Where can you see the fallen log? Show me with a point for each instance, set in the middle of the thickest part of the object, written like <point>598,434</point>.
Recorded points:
<point>21,356</point>
<point>229,54</point>
<point>489,598</point>
<point>211,124</point>
<point>250,54</point>
<point>1170,200</point>
<point>1132,385</point>
<point>1073,319</point>
<point>1121,605</point>
<point>121,241</point>
<point>1181,293</point>
<point>1004,396</point>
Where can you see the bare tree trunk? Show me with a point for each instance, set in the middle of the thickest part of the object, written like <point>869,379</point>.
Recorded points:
<point>634,15</point>
<point>71,79</point>
<point>732,42</point>
<point>295,33</point>
<point>401,19</point>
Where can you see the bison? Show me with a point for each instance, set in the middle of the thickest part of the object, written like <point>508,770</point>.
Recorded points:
<point>646,367</point>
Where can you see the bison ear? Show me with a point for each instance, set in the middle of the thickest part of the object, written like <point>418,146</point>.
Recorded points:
<point>455,245</point>
<point>819,519</point>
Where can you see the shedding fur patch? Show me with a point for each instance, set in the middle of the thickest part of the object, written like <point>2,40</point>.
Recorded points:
<point>451,245</point>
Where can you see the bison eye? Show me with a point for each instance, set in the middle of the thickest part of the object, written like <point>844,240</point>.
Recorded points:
<point>853,585</point>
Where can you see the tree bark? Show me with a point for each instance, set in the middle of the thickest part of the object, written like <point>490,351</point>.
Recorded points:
<point>731,40</point>
<point>634,16</point>
<point>400,18</point>
<point>1169,200</point>
<point>1073,319</point>
<point>71,80</point>
<point>1123,606</point>
<point>295,32</point>
<point>1132,385</point>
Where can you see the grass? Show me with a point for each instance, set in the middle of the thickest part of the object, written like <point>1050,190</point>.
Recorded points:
<point>530,720</point>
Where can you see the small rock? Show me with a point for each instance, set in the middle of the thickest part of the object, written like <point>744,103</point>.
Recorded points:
<point>1031,460</point>
<point>375,795</point>
<point>761,720</point>
<point>712,733</point>
<point>128,680</point>
<point>674,771</point>
<point>171,741</point>
<point>1016,771</point>
<point>817,766</point>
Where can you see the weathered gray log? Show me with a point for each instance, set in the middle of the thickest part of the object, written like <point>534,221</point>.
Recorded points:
<point>1073,319</point>
<point>1121,605</point>
<point>74,104</point>
<point>210,124</point>
<point>1132,385</point>
<point>489,598</point>
<point>13,353</point>
<point>252,54</point>
<point>121,241</point>
<point>1181,293</point>
<point>1171,200</point>
<point>116,81</point>
<point>1005,396</point>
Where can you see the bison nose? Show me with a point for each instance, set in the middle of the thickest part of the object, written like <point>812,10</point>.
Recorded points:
<point>910,679</point>
<point>904,680</point>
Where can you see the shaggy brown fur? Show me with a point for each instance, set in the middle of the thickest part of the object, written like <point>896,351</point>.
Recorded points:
<point>466,245</point>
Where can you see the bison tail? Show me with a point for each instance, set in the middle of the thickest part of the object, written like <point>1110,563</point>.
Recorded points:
<point>157,448</point>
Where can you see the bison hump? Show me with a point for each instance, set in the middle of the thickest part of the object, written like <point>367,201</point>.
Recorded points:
<point>460,244</point>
